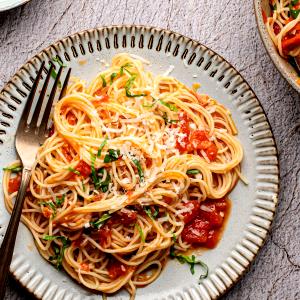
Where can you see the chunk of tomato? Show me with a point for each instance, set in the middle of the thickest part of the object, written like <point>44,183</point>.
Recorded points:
<point>116,269</point>
<point>84,169</point>
<point>167,199</point>
<point>125,216</point>
<point>193,210</point>
<point>101,96</point>
<point>212,239</point>
<point>212,152</point>
<point>196,232</point>
<point>220,204</point>
<point>183,140</point>
<point>14,184</point>
<point>199,140</point>
<point>47,212</point>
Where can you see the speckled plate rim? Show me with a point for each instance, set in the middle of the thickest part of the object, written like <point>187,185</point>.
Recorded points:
<point>10,4</point>
<point>234,266</point>
<point>284,68</point>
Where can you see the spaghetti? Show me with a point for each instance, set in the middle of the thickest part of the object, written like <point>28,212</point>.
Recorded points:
<point>136,168</point>
<point>283,26</point>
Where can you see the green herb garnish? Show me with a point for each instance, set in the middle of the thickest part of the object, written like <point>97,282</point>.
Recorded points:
<point>153,103</point>
<point>58,60</point>
<point>294,12</point>
<point>57,258</point>
<point>167,120</point>
<point>191,260</point>
<point>15,169</point>
<point>150,213</point>
<point>139,167</point>
<point>97,224</point>
<point>141,233</point>
<point>124,67</point>
<point>60,201</point>
<point>93,171</point>
<point>112,77</point>
<point>112,155</point>
<point>294,2</point>
<point>83,186</point>
<point>128,86</point>
<point>192,172</point>
<point>172,107</point>
<point>103,185</point>
<point>174,237</point>
<point>74,171</point>
<point>51,205</point>
<point>103,80</point>
<point>101,147</point>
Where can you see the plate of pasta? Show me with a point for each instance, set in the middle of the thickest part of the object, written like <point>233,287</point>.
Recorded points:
<point>279,27</point>
<point>159,176</point>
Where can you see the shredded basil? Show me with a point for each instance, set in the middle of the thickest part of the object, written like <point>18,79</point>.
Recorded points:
<point>101,147</point>
<point>167,120</point>
<point>172,107</point>
<point>294,12</point>
<point>174,237</point>
<point>57,258</point>
<point>191,260</point>
<point>152,215</point>
<point>101,221</point>
<point>294,2</point>
<point>153,103</point>
<point>124,67</point>
<point>128,86</point>
<point>273,7</point>
<point>51,205</point>
<point>60,201</point>
<point>139,167</point>
<point>58,60</point>
<point>94,175</point>
<point>103,80</point>
<point>54,75</point>
<point>192,172</point>
<point>74,171</point>
<point>15,169</point>
<point>83,186</point>
<point>141,233</point>
<point>112,77</point>
<point>112,155</point>
<point>103,185</point>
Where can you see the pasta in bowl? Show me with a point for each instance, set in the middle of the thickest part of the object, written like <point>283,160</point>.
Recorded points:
<point>136,169</point>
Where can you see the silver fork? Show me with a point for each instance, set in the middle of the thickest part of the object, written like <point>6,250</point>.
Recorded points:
<point>30,134</point>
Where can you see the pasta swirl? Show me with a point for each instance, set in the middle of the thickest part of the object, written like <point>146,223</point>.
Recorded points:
<point>131,158</point>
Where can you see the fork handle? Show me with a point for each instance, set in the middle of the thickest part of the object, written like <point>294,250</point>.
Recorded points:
<point>7,247</point>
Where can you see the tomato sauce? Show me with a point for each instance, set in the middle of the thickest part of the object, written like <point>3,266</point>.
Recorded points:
<point>116,269</point>
<point>194,140</point>
<point>205,222</point>
<point>14,184</point>
<point>84,169</point>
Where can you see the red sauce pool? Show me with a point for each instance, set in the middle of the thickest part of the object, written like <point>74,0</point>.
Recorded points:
<point>206,229</point>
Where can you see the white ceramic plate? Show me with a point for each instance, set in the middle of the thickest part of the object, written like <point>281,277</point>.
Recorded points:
<point>9,4</point>
<point>253,206</point>
<point>282,65</point>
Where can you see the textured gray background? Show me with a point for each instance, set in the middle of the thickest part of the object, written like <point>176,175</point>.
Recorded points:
<point>229,28</point>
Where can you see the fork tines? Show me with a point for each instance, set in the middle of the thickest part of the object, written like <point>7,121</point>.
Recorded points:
<point>42,125</point>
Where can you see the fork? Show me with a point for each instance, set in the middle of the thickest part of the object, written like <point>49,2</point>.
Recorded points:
<point>30,135</point>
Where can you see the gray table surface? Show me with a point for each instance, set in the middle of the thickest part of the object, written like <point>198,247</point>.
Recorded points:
<point>229,28</point>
